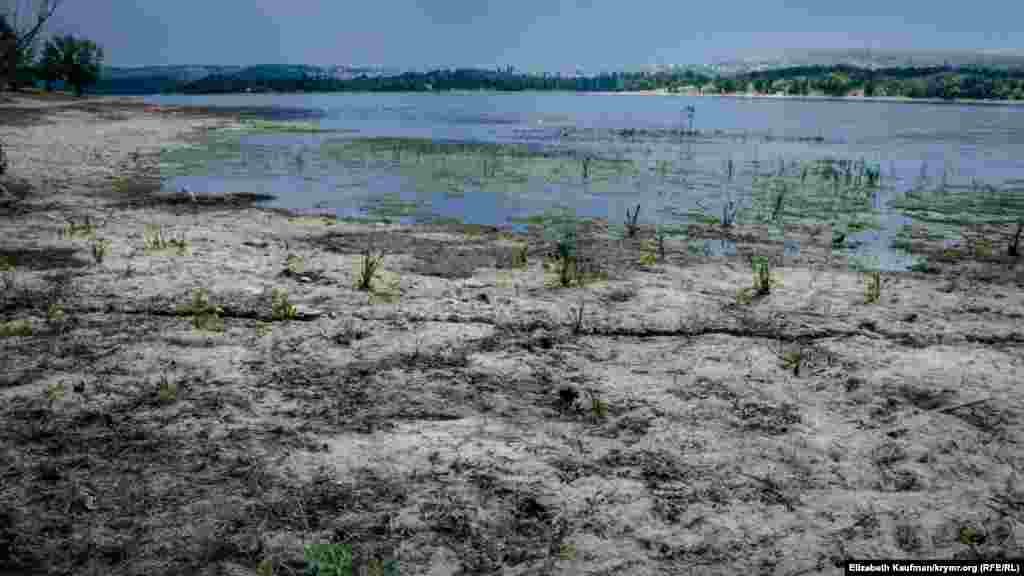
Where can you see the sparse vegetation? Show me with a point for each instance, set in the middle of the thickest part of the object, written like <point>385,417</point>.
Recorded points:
<point>100,250</point>
<point>873,286</point>
<point>55,392</point>
<point>763,281</point>
<point>167,391</point>
<point>369,269</point>
<point>73,230</point>
<point>55,316</point>
<point>565,261</point>
<point>155,242</point>
<point>295,264</point>
<point>791,359</point>
<point>650,252</point>
<point>15,328</point>
<point>263,329</point>
<point>281,309</point>
<point>519,256</point>
<point>205,316</point>
<point>598,406</point>
<point>762,275</point>
<point>328,559</point>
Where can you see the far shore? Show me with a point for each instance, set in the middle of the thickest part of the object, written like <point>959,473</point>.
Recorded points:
<point>745,96</point>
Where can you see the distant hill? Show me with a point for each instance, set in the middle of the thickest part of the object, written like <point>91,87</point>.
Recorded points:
<point>946,75</point>
<point>153,79</point>
<point>158,79</point>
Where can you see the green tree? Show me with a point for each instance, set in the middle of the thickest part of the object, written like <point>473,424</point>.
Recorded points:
<point>49,67</point>
<point>869,87</point>
<point>21,21</point>
<point>74,60</point>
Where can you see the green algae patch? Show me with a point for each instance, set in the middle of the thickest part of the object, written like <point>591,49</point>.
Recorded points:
<point>278,127</point>
<point>962,205</point>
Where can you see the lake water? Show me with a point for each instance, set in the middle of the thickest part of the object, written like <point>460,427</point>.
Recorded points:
<point>596,155</point>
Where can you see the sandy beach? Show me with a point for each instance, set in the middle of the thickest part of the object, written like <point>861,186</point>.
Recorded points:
<point>468,415</point>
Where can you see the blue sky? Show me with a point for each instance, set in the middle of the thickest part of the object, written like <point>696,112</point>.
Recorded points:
<point>555,35</point>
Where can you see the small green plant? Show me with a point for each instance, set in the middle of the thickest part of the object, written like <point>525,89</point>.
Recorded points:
<point>983,248</point>
<point>923,266</point>
<point>205,316</point>
<point>295,264</point>
<point>328,560</point>
<point>763,281</point>
<point>567,270</point>
<point>55,392</point>
<point>631,225</point>
<point>377,567</point>
<point>263,329</point>
<point>167,392</point>
<point>265,567</point>
<point>55,315</point>
<point>72,230</point>
<point>873,287</point>
<point>100,250</point>
<point>791,359</point>
<point>970,536</point>
<point>565,262</point>
<point>649,254</point>
<point>762,275</point>
<point>15,328</point>
<point>519,256</point>
<point>154,241</point>
<point>598,407</point>
<point>281,308</point>
<point>369,269</point>
<point>567,552</point>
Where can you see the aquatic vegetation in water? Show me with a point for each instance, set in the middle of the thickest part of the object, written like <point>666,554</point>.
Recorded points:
<point>284,127</point>
<point>962,205</point>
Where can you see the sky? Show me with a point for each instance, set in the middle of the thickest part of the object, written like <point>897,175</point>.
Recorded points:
<point>534,35</point>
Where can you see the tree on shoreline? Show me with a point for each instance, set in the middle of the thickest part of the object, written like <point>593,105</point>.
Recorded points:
<point>18,37</point>
<point>76,61</point>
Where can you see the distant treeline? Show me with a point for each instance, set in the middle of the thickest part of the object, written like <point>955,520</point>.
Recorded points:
<point>839,80</point>
<point>441,80</point>
<point>928,82</point>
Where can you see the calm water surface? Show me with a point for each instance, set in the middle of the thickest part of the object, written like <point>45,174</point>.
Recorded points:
<point>907,141</point>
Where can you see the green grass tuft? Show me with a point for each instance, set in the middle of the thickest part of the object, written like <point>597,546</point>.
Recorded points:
<point>100,250</point>
<point>873,287</point>
<point>154,241</point>
<point>15,328</point>
<point>281,308</point>
<point>84,230</point>
<point>205,316</point>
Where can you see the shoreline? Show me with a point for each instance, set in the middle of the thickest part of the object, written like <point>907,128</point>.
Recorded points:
<point>164,409</point>
<point>813,98</point>
<point>782,97</point>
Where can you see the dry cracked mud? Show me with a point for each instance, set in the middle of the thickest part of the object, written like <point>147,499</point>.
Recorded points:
<point>464,419</point>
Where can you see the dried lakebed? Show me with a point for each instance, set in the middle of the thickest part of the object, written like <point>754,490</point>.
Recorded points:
<point>463,417</point>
